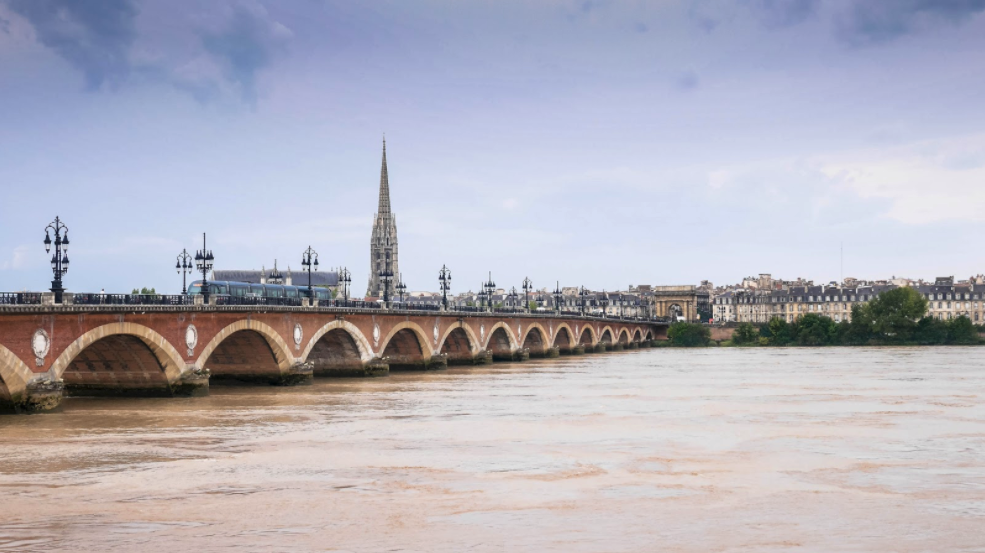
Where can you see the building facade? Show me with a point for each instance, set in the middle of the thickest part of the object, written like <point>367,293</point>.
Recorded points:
<point>946,300</point>
<point>383,243</point>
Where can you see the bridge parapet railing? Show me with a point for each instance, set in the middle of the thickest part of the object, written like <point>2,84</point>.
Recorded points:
<point>20,298</point>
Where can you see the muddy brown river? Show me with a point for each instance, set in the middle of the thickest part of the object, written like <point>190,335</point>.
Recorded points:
<point>652,450</point>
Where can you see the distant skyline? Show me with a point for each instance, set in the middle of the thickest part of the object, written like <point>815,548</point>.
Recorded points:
<point>598,143</point>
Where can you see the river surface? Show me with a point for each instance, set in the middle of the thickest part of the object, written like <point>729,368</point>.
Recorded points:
<point>653,450</point>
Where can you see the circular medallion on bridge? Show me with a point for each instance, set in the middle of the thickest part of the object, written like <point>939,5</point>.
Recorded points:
<point>518,333</point>
<point>191,339</point>
<point>482,332</point>
<point>41,344</point>
<point>550,328</point>
<point>298,335</point>
<point>376,335</point>
<point>435,332</point>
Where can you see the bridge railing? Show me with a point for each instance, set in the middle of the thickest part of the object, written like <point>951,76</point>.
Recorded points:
<point>20,298</point>
<point>130,299</point>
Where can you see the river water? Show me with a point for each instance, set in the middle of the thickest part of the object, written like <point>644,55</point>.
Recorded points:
<point>652,450</point>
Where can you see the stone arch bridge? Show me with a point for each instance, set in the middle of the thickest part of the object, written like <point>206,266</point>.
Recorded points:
<point>49,351</point>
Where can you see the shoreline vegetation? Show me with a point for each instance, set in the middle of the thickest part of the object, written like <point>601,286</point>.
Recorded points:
<point>896,317</point>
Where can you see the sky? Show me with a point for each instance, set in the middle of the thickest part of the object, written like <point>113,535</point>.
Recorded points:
<point>594,142</point>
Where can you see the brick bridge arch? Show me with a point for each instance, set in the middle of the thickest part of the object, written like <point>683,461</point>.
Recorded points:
<point>560,332</point>
<point>116,348</point>
<point>460,344</point>
<point>338,348</point>
<point>606,334</point>
<point>536,339</point>
<point>399,346</point>
<point>14,375</point>
<point>593,338</point>
<point>623,336</point>
<point>239,350</point>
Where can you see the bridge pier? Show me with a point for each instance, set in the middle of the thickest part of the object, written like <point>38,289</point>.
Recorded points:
<point>643,344</point>
<point>600,348</point>
<point>577,350</point>
<point>632,345</point>
<point>617,347</point>
<point>354,368</point>
<point>40,396</point>
<point>193,383</point>
<point>416,363</point>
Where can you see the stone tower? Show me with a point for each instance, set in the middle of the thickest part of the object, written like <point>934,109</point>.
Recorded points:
<point>383,244</point>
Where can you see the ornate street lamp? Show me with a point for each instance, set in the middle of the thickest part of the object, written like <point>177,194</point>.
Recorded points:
<point>386,275</point>
<point>204,261</point>
<point>444,278</point>
<point>345,277</point>
<point>513,297</point>
<point>309,259</point>
<point>527,286</point>
<point>184,266</point>
<point>490,287</point>
<point>59,260</point>
<point>481,295</point>
<point>558,296</point>
<point>401,287</point>
<point>584,296</point>
<point>605,302</point>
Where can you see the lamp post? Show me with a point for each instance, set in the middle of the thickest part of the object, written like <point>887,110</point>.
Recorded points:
<point>481,296</point>
<point>527,286</point>
<point>558,295</point>
<point>513,297</point>
<point>490,287</point>
<point>309,258</point>
<point>184,266</point>
<point>59,261</point>
<point>204,261</point>
<point>605,302</point>
<point>444,278</point>
<point>401,288</point>
<point>345,277</point>
<point>584,296</point>
<point>386,275</point>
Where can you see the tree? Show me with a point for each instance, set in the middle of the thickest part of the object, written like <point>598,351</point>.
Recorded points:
<point>144,291</point>
<point>532,305</point>
<point>962,331</point>
<point>779,332</point>
<point>859,331</point>
<point>930,331</point>
<point>816,330</point>
<point>744,334</point>
<point>688,335</point>
<point>895,314</point>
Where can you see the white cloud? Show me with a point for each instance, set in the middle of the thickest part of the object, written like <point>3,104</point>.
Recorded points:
<point>924,182</point>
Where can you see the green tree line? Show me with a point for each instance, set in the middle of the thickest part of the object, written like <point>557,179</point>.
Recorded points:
<point>894,317</point>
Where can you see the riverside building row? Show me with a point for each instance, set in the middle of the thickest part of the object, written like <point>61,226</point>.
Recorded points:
<point>946,300</point>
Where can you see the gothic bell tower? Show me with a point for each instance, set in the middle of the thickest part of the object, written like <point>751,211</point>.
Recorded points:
<point>383,244</point>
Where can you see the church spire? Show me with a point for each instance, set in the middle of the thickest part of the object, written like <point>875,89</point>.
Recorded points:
<point>384,185</point>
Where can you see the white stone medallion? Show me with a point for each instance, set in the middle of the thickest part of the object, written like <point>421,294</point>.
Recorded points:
<point>298,335</point>
<point>376,335</point>
<point>40,344</point>
<point>482,332</point>
<point>435,332</point>
<point>550,328</point>
<point>191,339</point>
<point>519,334</point>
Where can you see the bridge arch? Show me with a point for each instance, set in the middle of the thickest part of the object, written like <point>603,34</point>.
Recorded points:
<point>406,346</point>
<point>588,337</point>
<point>460,344</point>
<point>637,335</point>
<point>246,336</point>
<point>501,342</point>
<point>606,335</point>
<point>536,339</point>
<point>117,347</point>
<point>623,336</point>
<point>362,344</point>
<point>563,337</point>
<point>14,375</point>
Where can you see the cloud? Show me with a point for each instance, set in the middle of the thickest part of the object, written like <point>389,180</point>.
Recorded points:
<point>782,13</point>
<point>241,46</point>
<point>95,37</point>
<point>688,80</point>
<point>875,21</point>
